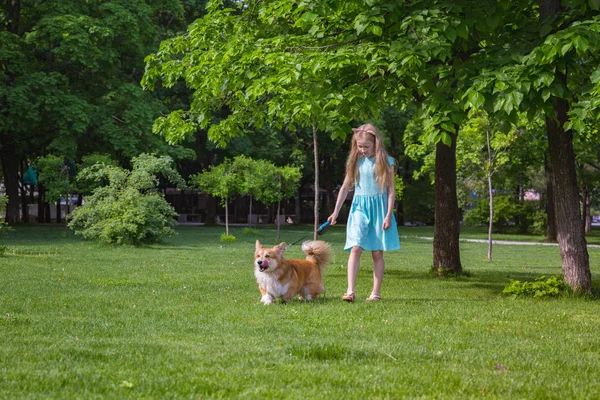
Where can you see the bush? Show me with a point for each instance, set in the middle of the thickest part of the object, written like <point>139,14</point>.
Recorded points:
<point>251,231</point>
<point>225,238</point>
<point>4,228</point>
<point>128,209</point>
<point>541,287</point>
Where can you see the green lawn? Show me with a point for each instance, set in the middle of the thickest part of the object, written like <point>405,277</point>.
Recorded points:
<point>183,320</point>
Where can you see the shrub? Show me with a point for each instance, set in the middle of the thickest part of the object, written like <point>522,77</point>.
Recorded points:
<point>225,238</point>
<point>541,287</point>
<point>251,231</point>
<point>128,209</point>
<point>4,228</point>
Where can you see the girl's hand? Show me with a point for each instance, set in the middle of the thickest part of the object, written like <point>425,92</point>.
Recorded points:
<point>332,219</point>
<point>387,222</point>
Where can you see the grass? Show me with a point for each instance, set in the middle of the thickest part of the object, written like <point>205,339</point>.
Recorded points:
<point>183,320</point>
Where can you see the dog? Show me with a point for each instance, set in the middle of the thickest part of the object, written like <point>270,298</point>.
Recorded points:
<point>283,279</point>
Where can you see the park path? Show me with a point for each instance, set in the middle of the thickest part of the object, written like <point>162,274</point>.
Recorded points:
<point>509,242</point>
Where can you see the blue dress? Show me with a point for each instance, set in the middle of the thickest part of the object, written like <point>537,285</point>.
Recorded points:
<point>367,213</point>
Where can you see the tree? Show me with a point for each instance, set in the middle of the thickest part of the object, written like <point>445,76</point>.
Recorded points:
<point>222,181</point>
<point>56,176</point>
<point>69,80</point>
<point>288,179</point>
<point>258,179</point>
<point>248,62</point>
<point>482,148</point>
<point>552,72</point>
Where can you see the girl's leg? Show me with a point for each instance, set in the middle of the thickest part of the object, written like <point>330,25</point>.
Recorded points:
<point>353,266</point>
<point>378,267</point>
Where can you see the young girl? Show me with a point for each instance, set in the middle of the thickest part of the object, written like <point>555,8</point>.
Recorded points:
<point>371,222</point>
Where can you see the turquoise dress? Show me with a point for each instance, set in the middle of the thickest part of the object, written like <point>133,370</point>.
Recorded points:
<point>367,213</point>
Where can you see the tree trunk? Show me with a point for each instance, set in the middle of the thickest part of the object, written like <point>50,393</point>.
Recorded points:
<point>571,236</point>
<point>316,153</point>
<point>298,207</point>
<point>586,208</point>
<point>446,251</point>
<point>23,189</point>
<point>10,167</point>
<point>9,157</point>
<point>491,194</point>
<point>13,15</point>
<point>250,214</point>
<point>58,213</point>
<point>277,219</point>
<point>226,217</point>
<point>551,234</point>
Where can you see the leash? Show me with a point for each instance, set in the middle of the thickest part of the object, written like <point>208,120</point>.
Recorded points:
<point>320,230</point>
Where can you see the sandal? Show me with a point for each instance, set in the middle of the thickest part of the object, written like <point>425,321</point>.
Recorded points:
<point>373,297</point>
<point>349,297</point>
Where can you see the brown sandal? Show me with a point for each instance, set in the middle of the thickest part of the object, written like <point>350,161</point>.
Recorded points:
<point>373,297</point>
<point>349,297</point>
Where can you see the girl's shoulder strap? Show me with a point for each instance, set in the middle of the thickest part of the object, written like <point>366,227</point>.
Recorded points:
<point>391,160</point>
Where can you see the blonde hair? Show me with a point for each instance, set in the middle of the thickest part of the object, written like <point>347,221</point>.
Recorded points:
<point>383,172</point>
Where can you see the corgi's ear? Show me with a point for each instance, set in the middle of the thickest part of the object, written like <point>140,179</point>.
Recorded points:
<point>280,249</point>
<point>258,245</point>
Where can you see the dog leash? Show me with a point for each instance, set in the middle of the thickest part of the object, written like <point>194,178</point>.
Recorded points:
<point>320,230</point>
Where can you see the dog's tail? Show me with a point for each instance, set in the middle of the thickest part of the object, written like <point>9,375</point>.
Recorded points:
<point>317,251</point>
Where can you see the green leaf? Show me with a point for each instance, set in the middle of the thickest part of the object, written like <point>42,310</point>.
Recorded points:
<point>463,31</point>
<point>447,126</point>
<point>594,4</point>
<point>546,94</point>
<point>476,99</point>
<point>565,48</point>
<point>446,139</point>
<point>450,34</point>
<point>557,90</point>
<point>499,103</point>
<point>581,44</point>
<point>376,30</point>
<point>545,78</point>
<point>595,77</point>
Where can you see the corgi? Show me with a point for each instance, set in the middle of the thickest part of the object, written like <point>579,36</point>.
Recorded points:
<point>283,279</point>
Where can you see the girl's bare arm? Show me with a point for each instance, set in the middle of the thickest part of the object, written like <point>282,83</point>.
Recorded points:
<point>340,201</point>
<point>387,222</point>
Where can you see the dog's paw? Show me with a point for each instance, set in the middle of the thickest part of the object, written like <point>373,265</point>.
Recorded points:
<point>266,299</point>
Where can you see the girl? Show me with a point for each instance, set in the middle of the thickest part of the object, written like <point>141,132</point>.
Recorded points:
<point>371,222</point>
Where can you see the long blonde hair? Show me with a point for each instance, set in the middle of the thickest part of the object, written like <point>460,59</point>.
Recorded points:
<point>383,170</point>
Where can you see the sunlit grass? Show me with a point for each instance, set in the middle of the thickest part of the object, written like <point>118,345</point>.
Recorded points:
<point>183,320</point>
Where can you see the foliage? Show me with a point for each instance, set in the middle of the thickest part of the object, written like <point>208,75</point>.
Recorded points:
<point>541,287</point>
<point>55,176</point>
<point>225,238</point>
<point>509,213</point>
<point>85,186</point>
<point>69,74</point>
<point>4,228</point>
<point>251,231</point>
<point>398,187</point>
<point>126,207</point>
<point>221,181</point>
<point>245,176</point>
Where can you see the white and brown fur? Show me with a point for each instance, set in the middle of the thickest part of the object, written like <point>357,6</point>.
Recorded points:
<point>283,279</point>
